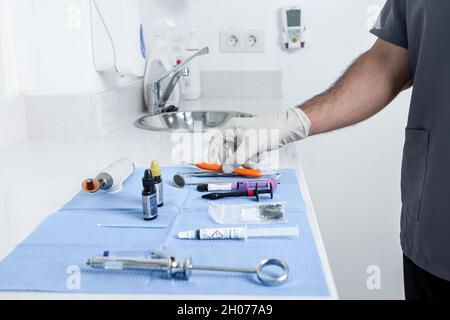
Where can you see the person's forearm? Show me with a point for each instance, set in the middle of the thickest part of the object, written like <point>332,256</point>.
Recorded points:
<point>370,84</point>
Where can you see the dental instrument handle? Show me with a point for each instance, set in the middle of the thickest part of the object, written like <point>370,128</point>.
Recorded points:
<point>248,173</point>
<point>209,167</point>
<point>246,193</point>
<point>117,263</point>
<point>240,171</point>
<point>222,195</point>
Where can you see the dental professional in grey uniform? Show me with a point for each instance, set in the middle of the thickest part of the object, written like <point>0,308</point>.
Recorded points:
<point>413,49</point>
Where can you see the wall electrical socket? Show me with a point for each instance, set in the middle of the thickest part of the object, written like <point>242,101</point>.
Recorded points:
<point>242,41</point>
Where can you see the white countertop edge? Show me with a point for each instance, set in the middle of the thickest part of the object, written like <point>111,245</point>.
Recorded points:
<point>317,234</point>
<point>94,296</point>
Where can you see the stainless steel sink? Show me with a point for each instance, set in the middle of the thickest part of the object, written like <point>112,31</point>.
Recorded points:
<point>184,121</point>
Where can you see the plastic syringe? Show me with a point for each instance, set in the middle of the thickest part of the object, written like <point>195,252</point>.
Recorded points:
<point>238,233</point>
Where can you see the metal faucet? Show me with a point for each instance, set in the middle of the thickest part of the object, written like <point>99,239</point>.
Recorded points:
<point>155,96</point>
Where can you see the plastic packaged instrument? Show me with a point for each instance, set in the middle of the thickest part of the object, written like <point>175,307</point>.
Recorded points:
<point>237,185</point>
<point>238,233</point>
<point>244,193</point>
<point>248,214</point>
<point>181,179</point>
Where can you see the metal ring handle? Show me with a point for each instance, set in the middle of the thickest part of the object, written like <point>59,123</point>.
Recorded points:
<point>270,280</point>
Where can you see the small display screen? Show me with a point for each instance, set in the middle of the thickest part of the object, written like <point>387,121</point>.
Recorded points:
<point>293,18</point>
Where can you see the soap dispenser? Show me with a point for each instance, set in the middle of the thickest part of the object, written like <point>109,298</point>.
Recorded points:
<point>192,83</point>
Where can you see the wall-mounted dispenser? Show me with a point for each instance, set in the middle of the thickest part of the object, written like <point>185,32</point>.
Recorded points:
<point>118,37</point>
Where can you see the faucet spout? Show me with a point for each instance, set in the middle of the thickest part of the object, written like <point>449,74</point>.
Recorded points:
<point>154,97</point>
<point>168,92</point>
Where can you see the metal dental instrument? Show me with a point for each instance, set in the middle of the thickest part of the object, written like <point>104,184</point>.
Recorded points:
<point>180,182</point>
<point>273,185</point>
<point>180,178</point>
<point>133,226</point>
<point>173,269</point>
<point>250,173</point>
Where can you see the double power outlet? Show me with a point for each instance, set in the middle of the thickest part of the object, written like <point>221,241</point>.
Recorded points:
<point>242,41</point>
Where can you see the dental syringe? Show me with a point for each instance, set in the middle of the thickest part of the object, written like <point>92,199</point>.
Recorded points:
<point>172,268</point>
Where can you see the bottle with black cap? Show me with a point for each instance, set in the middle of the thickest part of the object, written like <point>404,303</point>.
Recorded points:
<point>149,199</point>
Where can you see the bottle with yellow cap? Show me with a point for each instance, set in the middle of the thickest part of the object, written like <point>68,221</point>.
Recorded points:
<point>156,172</point>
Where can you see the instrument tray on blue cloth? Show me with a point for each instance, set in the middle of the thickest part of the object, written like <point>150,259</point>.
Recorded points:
<point>50,258</point>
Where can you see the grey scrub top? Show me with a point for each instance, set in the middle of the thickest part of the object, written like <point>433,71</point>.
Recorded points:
<point>423,27</point>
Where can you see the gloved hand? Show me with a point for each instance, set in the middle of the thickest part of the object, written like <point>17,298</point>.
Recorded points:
<point>244,141</point>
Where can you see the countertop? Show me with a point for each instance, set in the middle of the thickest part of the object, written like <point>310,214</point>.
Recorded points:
<point>38,176</point>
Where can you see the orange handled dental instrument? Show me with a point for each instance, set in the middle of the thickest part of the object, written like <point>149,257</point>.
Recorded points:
<point>248,173</point>
<point>241,171</point>
<point>209,166</point>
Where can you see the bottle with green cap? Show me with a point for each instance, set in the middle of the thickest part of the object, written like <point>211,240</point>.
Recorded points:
<point>156,172</point>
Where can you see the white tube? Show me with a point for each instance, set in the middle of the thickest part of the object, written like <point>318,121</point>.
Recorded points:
<point>273,232</point>
<point>238,233</point>
<point>214,234</point>
<point>220,187</point>
<point>116,174</point>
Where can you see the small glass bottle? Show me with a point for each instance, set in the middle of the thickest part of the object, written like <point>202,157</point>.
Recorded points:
<point>149,199</point>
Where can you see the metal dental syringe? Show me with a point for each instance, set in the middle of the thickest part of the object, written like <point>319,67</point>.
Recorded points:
<point>173,269</point>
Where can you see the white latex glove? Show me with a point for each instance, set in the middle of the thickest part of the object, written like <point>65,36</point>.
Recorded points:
<point>244,141</point>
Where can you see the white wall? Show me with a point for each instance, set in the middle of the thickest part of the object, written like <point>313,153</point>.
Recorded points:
<point>353,174</point>
<point>3,92</point>
<point>8,71</point>
<point>12,108</point>
<point>2,76</point>
<point>54,50</point>
<point>50,81</point>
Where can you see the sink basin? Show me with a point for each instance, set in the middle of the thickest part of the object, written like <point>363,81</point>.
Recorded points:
<point>204,120</point>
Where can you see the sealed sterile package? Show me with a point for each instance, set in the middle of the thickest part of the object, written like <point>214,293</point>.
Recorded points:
<point>248,214</point>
